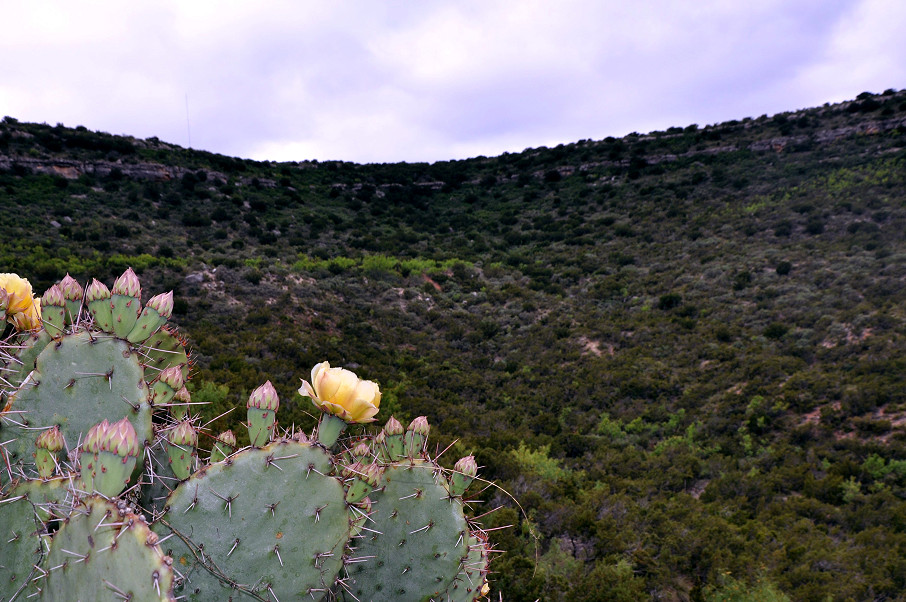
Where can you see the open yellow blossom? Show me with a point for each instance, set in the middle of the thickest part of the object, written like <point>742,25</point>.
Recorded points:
<point>23,309</point>
<point>340,392</point>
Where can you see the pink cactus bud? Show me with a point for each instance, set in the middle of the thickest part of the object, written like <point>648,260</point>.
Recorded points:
<point>264,398</point>
<point>53,297</point>
<point>96,291</point>
<point>393,427</point>
<point>172,376</point>
<point>51,440</point>
<point>372,474</point>
<point>420,425</point>
<point>72,290</point>
<point>162,303</point>
<point>466,466</point>
<point>362,449</point>
<point>121,440</point>
<point>127,285</point>
<point>183,396</point>
<point>183,435</point>
<point>227,438</point>
<point>92,442</point>
<point>353,470</point>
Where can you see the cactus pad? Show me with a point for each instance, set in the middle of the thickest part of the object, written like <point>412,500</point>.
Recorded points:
<point>77,381</point>
<point>22,548</point>
<point>269,521</point>
<point>105,552</point>
<point>417,536</point>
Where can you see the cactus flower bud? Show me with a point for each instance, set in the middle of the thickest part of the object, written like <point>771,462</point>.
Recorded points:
<point>180,445</point>
<point>96,291</point>
<point>340,392</point>
<point>47,447</point>
<point>53,310</point>
<point>51,440</point>
<point>127,285</point>
<point>224,445</point>
<point>420,425</point>
<point>393,427</point>
<point>416,436</point>
<point>364,479</point>
<point>92,442</point>
<point>72,290</point>
<point>373,474</point>
<point>162,303</point>
<point>227,438</point>
<point>466,466</point>
<point>464,471</point>
<point>121,440</point>
<point>262,414</point>
<point>264,398</point>
<point>394,439</point>
<point>183,435</point>
<point>172,377</point>
<point>53,297</point>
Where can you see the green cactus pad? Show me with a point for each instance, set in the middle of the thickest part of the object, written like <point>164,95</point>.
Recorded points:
<point>125,313</point>
<point>104,552</point>
<point>49,497</point>
<point>78,381</point>
<point>103,314</point>
<point>466,586</point>
<point>22,547</point>
<point>147,324</point>
<point>416,540</point>
<point>21,353</point>
<point>267,520</point>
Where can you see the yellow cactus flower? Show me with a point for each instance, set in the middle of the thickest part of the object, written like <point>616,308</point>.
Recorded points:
<point>23,309</point>
<point>340,392</point>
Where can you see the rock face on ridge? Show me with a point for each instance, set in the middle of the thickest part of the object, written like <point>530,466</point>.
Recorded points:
<point>72,169</point>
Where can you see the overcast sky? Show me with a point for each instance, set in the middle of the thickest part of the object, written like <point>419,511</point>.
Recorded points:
<point>422,80</point>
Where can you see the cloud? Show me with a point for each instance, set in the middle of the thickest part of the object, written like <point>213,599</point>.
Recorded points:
<point>387,81</point>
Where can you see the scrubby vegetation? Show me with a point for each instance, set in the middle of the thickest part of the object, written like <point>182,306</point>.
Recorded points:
<point>681,351</point>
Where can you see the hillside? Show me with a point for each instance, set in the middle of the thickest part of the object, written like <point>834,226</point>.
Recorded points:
<point>682,352</point>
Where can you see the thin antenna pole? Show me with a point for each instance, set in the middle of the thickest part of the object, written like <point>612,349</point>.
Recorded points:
<point>188,130</point>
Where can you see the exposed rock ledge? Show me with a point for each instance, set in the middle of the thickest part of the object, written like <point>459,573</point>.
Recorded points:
<point>71,169</point>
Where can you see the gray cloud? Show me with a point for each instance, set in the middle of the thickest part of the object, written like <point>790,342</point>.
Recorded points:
<point>367,81</point>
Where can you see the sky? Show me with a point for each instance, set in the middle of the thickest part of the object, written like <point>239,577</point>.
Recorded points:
<point>376,81</point>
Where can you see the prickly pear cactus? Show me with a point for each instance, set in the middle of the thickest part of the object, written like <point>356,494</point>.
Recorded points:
<point>270,521</point>
<point>95,402</point>
<point>104,551</point>
<point>77,380</point>
<point>417,535</point>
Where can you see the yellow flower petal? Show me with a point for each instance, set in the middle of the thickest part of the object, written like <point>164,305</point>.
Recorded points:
<point>340,392</point>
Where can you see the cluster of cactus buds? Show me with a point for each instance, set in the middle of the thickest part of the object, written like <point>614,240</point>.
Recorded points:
<point>109,454</point>
<point>320,516</point>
